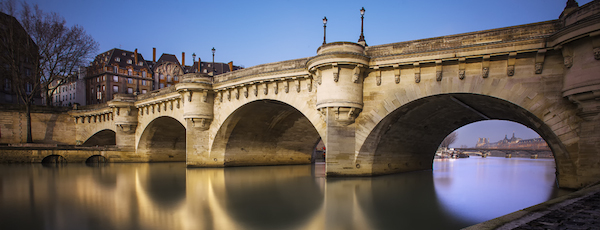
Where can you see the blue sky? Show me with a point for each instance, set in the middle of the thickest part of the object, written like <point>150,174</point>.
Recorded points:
<point>256,32</point>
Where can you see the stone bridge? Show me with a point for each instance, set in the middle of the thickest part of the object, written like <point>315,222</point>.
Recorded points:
<point>379,109</point>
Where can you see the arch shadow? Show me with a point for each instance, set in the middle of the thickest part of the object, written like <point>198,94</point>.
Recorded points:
<point>407,138</point>
<point>163,140</point>
<point>266,132</point>
<point>104,137</point>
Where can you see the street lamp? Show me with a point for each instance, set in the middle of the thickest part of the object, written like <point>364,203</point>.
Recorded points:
<point>213,64</point>
<point>324,29</point>
<point>362,19</point>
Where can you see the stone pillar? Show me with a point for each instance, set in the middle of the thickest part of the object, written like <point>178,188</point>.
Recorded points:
<point>198,102</point>
<point>582,87</point>
<point>125,116</point>
<point>338,71</point>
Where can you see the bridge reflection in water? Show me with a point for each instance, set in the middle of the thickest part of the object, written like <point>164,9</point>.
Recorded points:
<point>456,194</point>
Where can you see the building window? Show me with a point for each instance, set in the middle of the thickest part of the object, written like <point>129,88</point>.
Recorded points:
<point>103,88</point>
<point>143,82</point>
<point>28,87</point>
<point>118,59</point>
<point>169,79</point>
<point>129,80</point>
<point>208,65</point>
<point>176,78</point>
<point>116,78</point>
<point>205,71</point>
<point>129,72</point>
<point>162,85</point>
<point>115,89</point>
<point>129,90</point>
<point>6,84</point>
<point>143,74</point>
<point>128,61</point>
<point>162,77</point>
<point>115,69</point>
<point>144,91</point>
<point>104,78</point>
<point>140,63</point>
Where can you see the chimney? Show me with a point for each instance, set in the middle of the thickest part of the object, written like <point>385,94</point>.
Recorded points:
<point>230,66</point>
<point>153,54</point>
<point>135,57</point>
<point>183,59</point>
<point>199,64</point>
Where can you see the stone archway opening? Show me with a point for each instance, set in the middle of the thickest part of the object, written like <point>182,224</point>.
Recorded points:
<point>266,132</point>
<point>407,139</point>
<point>163,140</point>
<point>53,159</point>
<point>105,137</point>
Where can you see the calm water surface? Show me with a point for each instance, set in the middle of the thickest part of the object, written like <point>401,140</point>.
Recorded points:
<point>456,194</point>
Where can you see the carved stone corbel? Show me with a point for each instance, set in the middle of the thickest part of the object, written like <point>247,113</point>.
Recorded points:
<point>596,45</point>
<point>336,72</point>
<point>229,95</point>
<point>397,74</point>
<point>178,104</point>
<point>275,87</point>
<point>485,66</point>
<point>417,70</point>
<point>171,105</point>
<point>297,81</point>
<point>356,73</point>
<point>345,115</point>
<point>200,123</point>
<point>510,68</point>
<point>318,76</point>
<point>255,89</point>
<point>190,94</point>
<point>236,93</point>
<point>462,64</point>
<point>127,128</point>
<point>266,89</point>
<point>246,91</point>
<point>438,70</point>
<point>377,75</point>
<point>220,96</point>
<point>309,84</point>
<point>286,86</point>
<point>205,96</point>
<point>539,61</point>
<point>567,53</point>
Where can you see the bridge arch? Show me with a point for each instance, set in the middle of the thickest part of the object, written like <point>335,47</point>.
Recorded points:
<point>163,139</point>
<point>266,132</point>
<point>101,138</point>
<point>407,137</point>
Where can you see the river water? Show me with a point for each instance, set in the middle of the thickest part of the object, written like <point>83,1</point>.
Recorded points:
<point>455,194</point>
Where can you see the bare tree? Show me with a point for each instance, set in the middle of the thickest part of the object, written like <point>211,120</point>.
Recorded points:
<point>19,62</point>
<point>62,49</point>
<point>451,138</point>
<point>38,51</point>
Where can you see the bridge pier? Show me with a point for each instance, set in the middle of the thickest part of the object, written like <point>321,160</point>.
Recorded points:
<point>126,122</point>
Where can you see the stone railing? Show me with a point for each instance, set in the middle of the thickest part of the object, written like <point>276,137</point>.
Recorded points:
<point>261,70</point>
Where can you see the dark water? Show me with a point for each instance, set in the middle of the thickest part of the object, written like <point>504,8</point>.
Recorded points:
<point>456,194</point>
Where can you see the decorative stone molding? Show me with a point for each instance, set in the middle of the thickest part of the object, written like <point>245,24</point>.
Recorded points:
<point>485,66</point>
<point>345,115</point>
<point>286,86</point>
<point>539,61</point>
<point>127,128</point>
<point>275,87</point>
<point>255,89</point>
<point>567,61</point>
<point>229,95</point>
<point>567,54</point>
<point>266,89</point>
<point>596,51</point>
<point>318,76</point>
<point>397,74</point>
<point>438,70</point>
<point>510,68</point>
<point>297,81</point>
<point>245,89</point>
<point>417,69</point>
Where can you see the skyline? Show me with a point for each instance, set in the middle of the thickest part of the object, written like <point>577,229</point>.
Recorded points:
<point>254,33</point>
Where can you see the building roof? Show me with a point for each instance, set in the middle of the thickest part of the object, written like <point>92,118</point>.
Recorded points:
<point>122,58</point>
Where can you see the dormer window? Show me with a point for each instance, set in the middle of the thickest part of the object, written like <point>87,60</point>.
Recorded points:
<point>118,59</point>
<point>140,64</point>
<point>123,54</point>
<point>129,61</point>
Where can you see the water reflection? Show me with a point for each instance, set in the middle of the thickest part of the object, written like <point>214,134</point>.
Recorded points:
<point>455,194</point>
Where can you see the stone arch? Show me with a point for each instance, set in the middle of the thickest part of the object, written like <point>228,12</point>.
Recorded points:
<point>101,138</point>
<point>265,132</point>
<point>54,159</point>
<point>407,137</point>
<point>96,159</point>
<point>163,139</point>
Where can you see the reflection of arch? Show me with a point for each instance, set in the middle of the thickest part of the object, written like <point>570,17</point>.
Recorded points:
<point>266,132</point>
<point>163,139</point>
<point>265,190</point>
<point>101,138</point>
<point>406,139</point>
<point>164,183</point>
<point>54,159</point>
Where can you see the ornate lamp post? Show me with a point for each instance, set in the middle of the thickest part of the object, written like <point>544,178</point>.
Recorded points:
<point>213,64</point>
<point>324,29</point>
<point>362,19</point>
